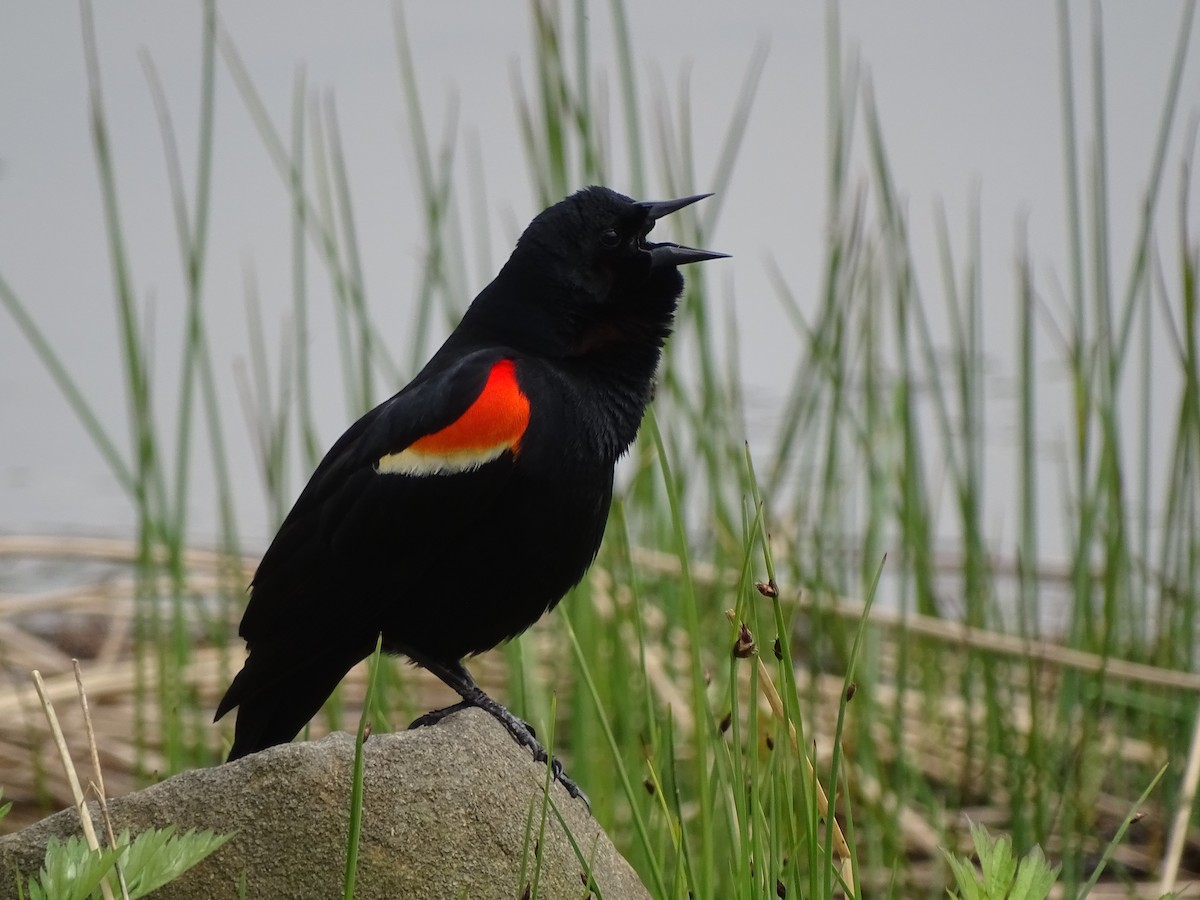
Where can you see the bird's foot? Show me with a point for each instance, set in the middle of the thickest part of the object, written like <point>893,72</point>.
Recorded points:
<point>522,732</point>
<point>434,716</point>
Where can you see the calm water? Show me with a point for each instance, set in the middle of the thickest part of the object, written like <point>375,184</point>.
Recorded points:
<point>969,100</point>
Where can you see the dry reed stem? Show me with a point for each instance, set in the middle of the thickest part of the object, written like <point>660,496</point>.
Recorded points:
<point>964,635</point>
<point>115,550</point>
<point>1183,814</point>
<point>98,785</point>
<point>85,816</point>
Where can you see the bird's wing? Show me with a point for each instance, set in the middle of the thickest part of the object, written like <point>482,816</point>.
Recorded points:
<point>404,477</point>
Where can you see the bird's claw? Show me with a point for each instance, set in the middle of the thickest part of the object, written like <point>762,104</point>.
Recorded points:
<point>568,783</point>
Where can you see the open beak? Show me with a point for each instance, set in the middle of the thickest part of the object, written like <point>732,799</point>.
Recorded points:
<point>668,254</point>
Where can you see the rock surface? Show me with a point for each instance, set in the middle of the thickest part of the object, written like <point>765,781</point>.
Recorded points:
<point>445,815</point>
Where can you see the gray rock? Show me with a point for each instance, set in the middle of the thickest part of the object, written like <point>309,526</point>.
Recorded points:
<point>445,815</point>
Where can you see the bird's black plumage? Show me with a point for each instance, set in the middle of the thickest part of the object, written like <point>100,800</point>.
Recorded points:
<point>453,515</point>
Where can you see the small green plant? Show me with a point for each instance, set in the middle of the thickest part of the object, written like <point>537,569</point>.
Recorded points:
<point>1004,877</point>
<point>72,871</point>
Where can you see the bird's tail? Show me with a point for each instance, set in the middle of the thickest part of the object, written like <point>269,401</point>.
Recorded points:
<point>276,697</point>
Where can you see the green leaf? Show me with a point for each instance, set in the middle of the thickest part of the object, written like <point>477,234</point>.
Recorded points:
<point>1035,877</point>
<point>159,856</point>
<point>1003,877</point>
<point>71,870</point>
<point>997,861</point>
<point>964,876</point>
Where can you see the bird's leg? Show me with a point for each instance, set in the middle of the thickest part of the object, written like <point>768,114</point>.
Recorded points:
<point>456,676</point>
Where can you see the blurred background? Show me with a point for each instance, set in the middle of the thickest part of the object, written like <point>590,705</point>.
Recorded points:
<point>969,99</point>
<point>959,332</point>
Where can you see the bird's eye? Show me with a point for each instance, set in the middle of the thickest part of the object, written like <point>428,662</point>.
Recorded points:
<point>609,237</point>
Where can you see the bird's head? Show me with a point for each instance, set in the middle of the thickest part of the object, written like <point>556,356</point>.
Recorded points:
<point>597,240</point>
<point>586,265</point>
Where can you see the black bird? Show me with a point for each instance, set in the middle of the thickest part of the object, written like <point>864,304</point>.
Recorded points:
<point>452,516</point>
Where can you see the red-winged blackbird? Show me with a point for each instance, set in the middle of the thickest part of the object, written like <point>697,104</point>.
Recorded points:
<point>452,516</point>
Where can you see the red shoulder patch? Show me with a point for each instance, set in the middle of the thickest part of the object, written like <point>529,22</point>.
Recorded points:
<point>493,423</point>
<point>498,417</point>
